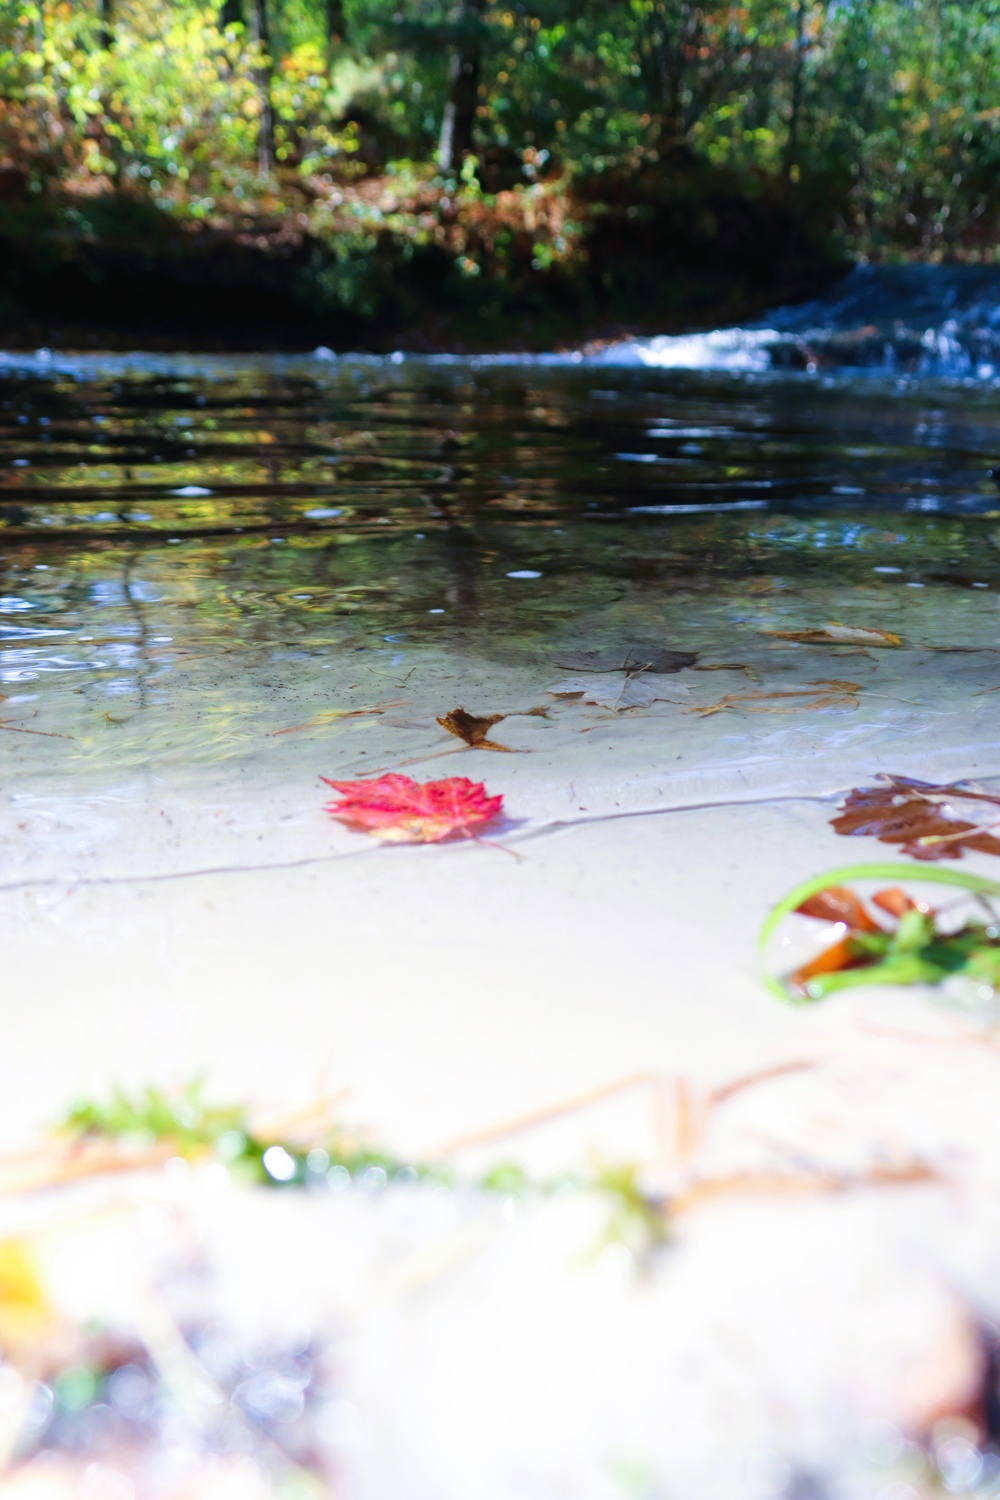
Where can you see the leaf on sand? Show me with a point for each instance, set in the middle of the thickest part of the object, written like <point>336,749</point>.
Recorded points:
<point>827,692</point>
<point>399,810</point>
<point>634,656</point>
<point>636,691</point>
<point>930,820</point>
<point>835,634</point>
<point>917,952</point>
<point>909,948</point>
<point>473,729</point>
<point>838,904</point>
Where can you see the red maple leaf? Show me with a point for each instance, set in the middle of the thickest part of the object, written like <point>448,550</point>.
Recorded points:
<point>403,811</point>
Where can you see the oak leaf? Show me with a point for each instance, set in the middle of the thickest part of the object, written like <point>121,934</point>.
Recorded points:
<point>929,820</point>
<point>399,810</point>
<point>835,634</point>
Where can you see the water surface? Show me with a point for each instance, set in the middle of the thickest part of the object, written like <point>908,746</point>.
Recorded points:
<point>203,553</point>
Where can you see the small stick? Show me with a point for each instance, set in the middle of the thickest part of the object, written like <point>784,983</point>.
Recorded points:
<point>820,1182</point>
<point>686,1134</point>
<point>750,1080</point>
<point>334,716</point>
<point>414,760</point>
<point>46,733</point>
<point>542,1116</point>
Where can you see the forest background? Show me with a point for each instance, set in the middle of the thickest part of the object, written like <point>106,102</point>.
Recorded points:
<point>368,173</point>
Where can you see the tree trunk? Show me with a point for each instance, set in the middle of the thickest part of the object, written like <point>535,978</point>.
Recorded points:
<point>231,14</point>
<point>261,35</point>
<point>458,121</point>
<point>336,26</point>
<point>798,79</point>
<point>105,24</point>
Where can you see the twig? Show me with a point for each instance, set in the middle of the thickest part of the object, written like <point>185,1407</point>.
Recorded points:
<point>334,716</point>
<point>781,1183</point>
<point>46,733</point>
<point>764,1075</point>
<point>530,1121</point>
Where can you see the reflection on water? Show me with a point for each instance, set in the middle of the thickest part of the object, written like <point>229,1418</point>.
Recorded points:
<point>165,533</point>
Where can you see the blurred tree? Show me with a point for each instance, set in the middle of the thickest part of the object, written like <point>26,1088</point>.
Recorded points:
<point>336,26</point>
<point>459,116</point>
<point>882,111</point>
<point>261,37</point>
<point>105,23</point>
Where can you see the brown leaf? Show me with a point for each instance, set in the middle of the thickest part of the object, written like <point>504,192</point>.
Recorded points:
<point>835,634</point>
<point>473,729</point>
<point>634,656</point>
<point>824,693</point>
<point>838,904</point>
<point>897,903</point>
<point>929,820</point>
<point>840,955</point>
<point>620,693</point>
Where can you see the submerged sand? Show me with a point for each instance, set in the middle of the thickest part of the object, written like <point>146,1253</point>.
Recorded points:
<point>173,910</point>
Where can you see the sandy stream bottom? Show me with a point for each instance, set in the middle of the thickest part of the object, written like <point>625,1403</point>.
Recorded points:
<point>802,1336</point>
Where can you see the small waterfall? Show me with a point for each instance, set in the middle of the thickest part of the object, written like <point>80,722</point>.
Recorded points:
<point>906,320</point>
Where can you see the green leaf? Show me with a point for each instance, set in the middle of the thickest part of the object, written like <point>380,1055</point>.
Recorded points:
<point>873,974</point>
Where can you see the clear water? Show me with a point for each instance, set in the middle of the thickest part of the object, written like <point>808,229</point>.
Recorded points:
<point>200,553</point>
<point>277,507</point>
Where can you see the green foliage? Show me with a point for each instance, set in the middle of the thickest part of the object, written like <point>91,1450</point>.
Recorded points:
<point>637,1221</point>
<point>872,124</point>
<point>917,950</point>
<point>151,1116</point>
<point>193,1128</point>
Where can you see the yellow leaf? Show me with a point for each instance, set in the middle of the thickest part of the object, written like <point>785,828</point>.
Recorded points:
<point>24,1307</point>
<point>836,634</point>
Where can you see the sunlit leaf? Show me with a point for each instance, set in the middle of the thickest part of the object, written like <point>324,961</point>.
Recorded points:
<point>399,810</point>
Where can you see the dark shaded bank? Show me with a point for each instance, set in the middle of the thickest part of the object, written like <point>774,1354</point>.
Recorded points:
<point>661,254</point>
